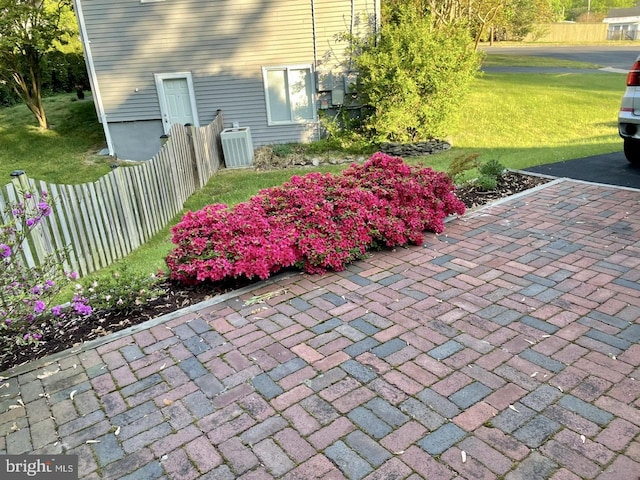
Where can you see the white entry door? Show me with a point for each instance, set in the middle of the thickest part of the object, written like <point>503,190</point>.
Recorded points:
<point>177,99</point>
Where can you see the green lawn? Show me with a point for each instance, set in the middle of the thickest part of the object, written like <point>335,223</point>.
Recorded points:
<point>66,153</point>
<point>524,120</point>
<point>519,119</point>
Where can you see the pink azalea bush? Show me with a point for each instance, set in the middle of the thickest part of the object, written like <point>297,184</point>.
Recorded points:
<point>315,222</point>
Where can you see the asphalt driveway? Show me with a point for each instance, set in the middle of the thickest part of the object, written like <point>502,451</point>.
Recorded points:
<point>609,169</point>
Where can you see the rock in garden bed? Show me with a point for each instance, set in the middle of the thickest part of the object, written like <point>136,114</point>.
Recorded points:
<point>418,149</point>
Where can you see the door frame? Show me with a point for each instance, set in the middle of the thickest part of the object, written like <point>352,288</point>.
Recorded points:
<point>164,109</point>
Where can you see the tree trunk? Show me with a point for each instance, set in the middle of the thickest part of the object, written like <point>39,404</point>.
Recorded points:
<point>37,108</point>
<point>30,90</point>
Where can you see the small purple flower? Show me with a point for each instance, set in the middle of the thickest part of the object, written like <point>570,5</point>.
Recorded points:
<point>82,308</point>
<point>5,250</point>
<point>44,208</point>
<point>31,222</point>
<point>32,337</point>
<point>39,306</point>
<point>56,311</point>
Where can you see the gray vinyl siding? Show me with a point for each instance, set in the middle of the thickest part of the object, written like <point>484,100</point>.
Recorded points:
<point>223,44</point>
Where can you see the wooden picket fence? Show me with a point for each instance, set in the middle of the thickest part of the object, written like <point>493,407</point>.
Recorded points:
<point>98,223</point>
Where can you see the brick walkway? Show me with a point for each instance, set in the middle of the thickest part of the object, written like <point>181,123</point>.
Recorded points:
<point>511,341</point>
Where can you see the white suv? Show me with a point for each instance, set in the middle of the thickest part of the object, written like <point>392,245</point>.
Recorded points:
<point>629,116</point>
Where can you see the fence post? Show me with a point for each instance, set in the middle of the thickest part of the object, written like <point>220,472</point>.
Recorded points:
<point>217,142</point>
<point>21,184</point>
<point>20,180</point>
<point>194,159</point>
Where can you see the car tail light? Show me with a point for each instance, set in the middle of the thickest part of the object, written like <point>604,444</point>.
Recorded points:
<point>633,77</point>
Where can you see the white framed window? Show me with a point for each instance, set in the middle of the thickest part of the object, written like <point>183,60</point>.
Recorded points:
<point>289,94</point>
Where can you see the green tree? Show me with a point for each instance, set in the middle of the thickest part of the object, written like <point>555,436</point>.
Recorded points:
<point>512,18</point>
<point>414,75</point>
<point>519,19</point>
<point>482,17</point>
<point>578,9</point>
<point>28,30</point>
<point>560,9</point>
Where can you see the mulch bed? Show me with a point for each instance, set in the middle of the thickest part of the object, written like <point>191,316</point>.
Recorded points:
<point>509,184</point>
<point>178,296</point>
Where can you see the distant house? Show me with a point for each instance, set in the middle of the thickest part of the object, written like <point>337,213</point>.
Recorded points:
<point>267,64</point>
<point>624,23</point>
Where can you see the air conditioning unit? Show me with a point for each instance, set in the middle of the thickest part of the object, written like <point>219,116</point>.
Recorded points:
<point>237,147</point>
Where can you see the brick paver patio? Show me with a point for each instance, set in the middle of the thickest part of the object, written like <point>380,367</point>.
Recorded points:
<point>507,347</point>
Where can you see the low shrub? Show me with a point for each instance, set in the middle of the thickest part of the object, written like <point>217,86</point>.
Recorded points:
<point>490,172</point>
<point>122,289</point>
<point>491,168</point>
<point>486,183</point>
<point>315,222</point>
<point>282,149</point>
<point>461,165</point>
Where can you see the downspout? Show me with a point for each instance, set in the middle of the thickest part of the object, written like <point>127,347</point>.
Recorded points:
<point>93,78</point>
<point>315,39</point>
<point>315,62</point>
<point>352,26</point>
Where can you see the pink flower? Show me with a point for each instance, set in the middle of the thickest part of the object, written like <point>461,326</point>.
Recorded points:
<point>316,221</point>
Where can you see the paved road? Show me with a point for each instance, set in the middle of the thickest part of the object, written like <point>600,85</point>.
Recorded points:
<point>621,57</point>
